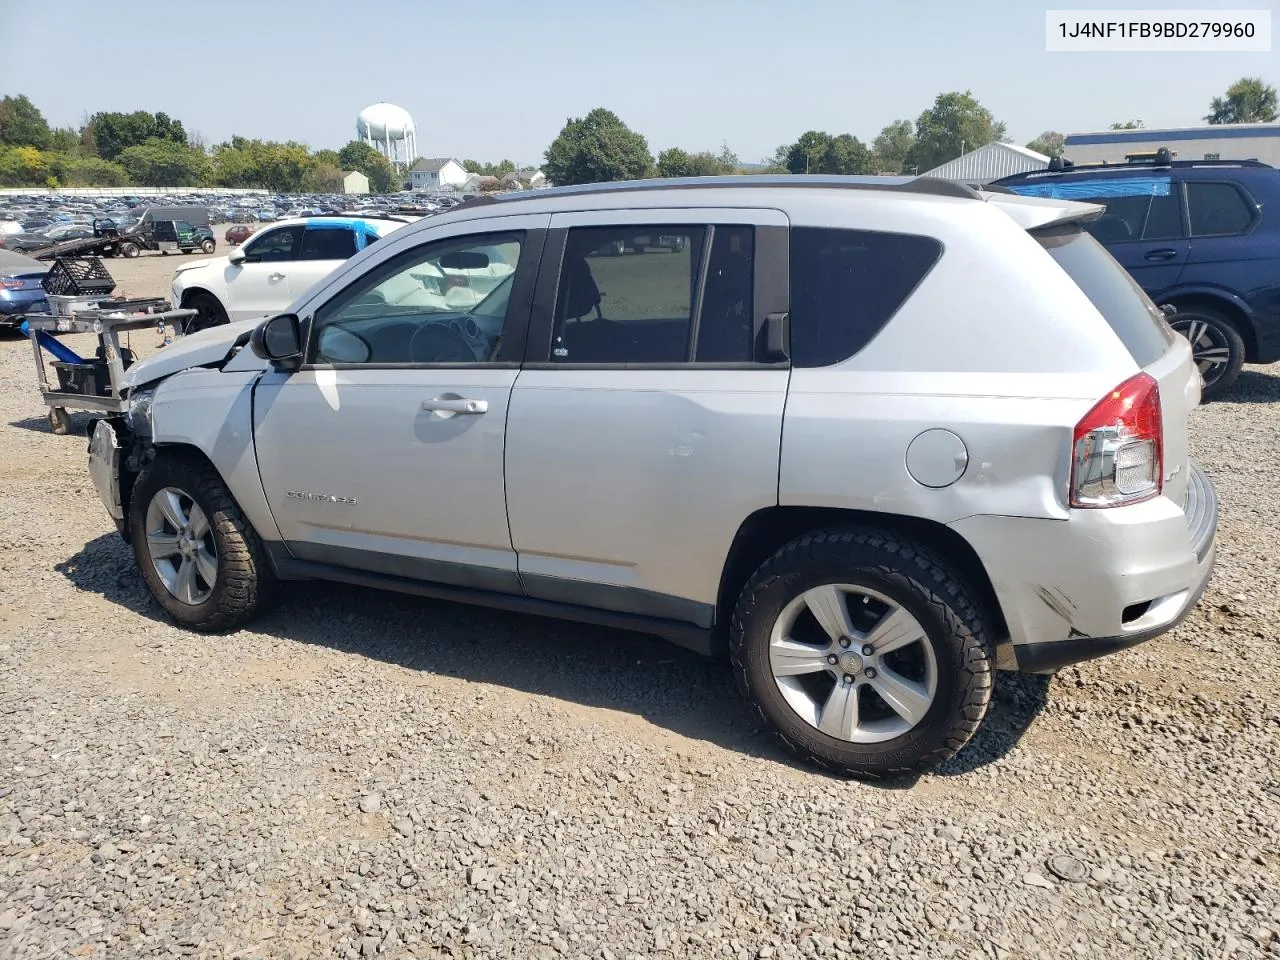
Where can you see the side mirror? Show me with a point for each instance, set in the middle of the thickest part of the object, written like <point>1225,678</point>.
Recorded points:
<point>236,256</point>
<point>278,341</point>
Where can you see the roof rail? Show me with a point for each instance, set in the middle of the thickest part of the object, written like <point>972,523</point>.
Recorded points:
<point>398,218</point>
<point>1161,157</point>
<point>936,186</point>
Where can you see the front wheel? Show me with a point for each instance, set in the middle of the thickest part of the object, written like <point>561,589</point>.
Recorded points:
<point>1216,346</point>
<point>867,655</point>
<point>209,313</point>
<point>200,557</point>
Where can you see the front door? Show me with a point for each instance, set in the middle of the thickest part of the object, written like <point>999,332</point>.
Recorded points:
<point>384,452</point>
<point>646,424</point>
<point>258,286</point>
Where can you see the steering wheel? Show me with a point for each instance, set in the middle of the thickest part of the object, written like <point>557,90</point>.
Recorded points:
<point>439,343</point>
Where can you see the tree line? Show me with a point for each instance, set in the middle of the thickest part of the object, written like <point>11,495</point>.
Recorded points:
<point>600,146</point>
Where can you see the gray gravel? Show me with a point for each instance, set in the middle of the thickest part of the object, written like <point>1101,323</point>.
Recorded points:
<point>371,775</point>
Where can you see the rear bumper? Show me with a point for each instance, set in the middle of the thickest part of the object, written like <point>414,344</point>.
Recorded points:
<point>1099,582</point>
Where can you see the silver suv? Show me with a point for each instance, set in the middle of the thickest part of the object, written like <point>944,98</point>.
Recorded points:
<point>874,439</point>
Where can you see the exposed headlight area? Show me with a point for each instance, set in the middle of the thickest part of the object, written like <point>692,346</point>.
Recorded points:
<point>138,415</point>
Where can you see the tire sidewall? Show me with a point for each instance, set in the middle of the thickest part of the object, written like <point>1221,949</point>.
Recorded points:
<point>952,651</point>
<point>171,473</point>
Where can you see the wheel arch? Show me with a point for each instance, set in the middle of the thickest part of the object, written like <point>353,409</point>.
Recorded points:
<point>764,532</point>
<point>1232,309</point>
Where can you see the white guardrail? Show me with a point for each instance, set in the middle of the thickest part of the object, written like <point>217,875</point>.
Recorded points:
<point>127,191</point>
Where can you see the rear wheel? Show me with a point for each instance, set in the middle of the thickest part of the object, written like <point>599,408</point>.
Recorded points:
<point>866,654</point>
<point>1216,346</point>
<point>207,246</point>
<point>130,250</point>
<point>209,313</point>
<point>201,559</point>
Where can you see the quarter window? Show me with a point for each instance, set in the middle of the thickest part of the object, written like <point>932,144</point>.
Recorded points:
<point>274,246</point>
<point>846,284</point>
<point>1138,208</point>
<point>328,243</point>
<point>446,302</point>
<point>1217,209</point>
<point>638,295</point>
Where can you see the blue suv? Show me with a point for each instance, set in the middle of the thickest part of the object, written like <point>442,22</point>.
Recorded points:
<point>1200,235</point>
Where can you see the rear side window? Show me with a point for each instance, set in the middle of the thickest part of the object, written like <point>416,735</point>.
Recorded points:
<point>846,284</point>
<point>1138,208</point>
<point>328,243</point>
<point>1217,209</point>
<point>1135,319</point>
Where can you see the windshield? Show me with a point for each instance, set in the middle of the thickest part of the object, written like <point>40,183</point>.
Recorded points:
<point>1137,321</point>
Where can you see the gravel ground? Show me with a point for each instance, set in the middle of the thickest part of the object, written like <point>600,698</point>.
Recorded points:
<point>366,774</point>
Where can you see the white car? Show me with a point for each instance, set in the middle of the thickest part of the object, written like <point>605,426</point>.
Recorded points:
<point>272,268</point>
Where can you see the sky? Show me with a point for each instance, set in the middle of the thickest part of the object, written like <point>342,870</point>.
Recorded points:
<point>494,79</point>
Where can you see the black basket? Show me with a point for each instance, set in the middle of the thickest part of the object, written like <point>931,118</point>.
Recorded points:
<point>91,378</point>
<point>77,277</point>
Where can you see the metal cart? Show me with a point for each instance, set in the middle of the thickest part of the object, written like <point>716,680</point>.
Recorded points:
<point>93,384</point>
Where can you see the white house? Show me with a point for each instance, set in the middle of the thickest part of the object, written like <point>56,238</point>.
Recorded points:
<point>1227,141</point>
<point>433,173</point>
<point>990,162</point>
<point>353,181</point>
<point>528,177</point>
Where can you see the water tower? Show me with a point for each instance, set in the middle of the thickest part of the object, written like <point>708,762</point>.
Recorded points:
<point>388,129</point>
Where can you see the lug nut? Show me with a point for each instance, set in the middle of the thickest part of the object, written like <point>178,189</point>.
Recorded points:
<point>870,673</point>
<point>832,659</point>
<point>868,651</point>
<point>847,679</point>
<point>846,642</point>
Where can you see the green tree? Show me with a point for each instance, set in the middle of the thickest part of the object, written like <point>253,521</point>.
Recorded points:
<point>500,169</point>
<point>114,133</point>
<point>1051,143</point>
<point>955,124</point>
<point>65,140</point>
<point>597,148</point>
<point>1247,101</point>
<point>890,148</point>
<point>358,155</point>
<point>163,163</point>
<point>323,178</point>
<point>727,159</point>
<point>74,171</point>
<point>817,151</point>
<point>23,167</point>
<point>675,162</point>
<point>1127,125</point>
<point>21,124</point>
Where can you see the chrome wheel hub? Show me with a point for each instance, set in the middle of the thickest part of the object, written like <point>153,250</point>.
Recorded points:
<point>853,664</point>
<point>181,546</point>
<point>1209,348</point>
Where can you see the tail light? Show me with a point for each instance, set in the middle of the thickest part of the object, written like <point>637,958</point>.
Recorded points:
<point>1117,455</point>
<point>12,284</point>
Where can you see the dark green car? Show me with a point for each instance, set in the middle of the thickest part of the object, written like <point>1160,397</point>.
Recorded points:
<point>173,235</point>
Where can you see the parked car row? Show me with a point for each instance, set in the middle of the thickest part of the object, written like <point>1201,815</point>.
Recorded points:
<point>869,439</point>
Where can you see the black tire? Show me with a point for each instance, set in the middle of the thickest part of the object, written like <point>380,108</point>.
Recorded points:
<point>130,250</point>
<point>941,602</point>
<point>245,581</point>
<point>209,313</point>
<point>1214,332</point>
<point>208,246</point>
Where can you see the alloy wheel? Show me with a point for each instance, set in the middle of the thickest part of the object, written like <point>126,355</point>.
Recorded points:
<point>181,546</point>
<point>1209,348</point>
<point>853,664</point>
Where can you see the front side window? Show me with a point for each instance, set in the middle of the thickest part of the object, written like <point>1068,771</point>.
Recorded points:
<point>1217,209</point>
<point>638,294</point>
<point>274,246</point>
<point>445,302</point>
<point>847,284</point>
<point>328,243</point>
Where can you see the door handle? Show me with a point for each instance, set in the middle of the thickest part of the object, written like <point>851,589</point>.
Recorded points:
<point>1164,254</point>
<point>453,405</point>
<point>275,276</point>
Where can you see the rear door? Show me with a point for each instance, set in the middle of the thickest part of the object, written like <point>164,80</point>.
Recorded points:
<point>647,421</point>
<point>1225,252</point>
